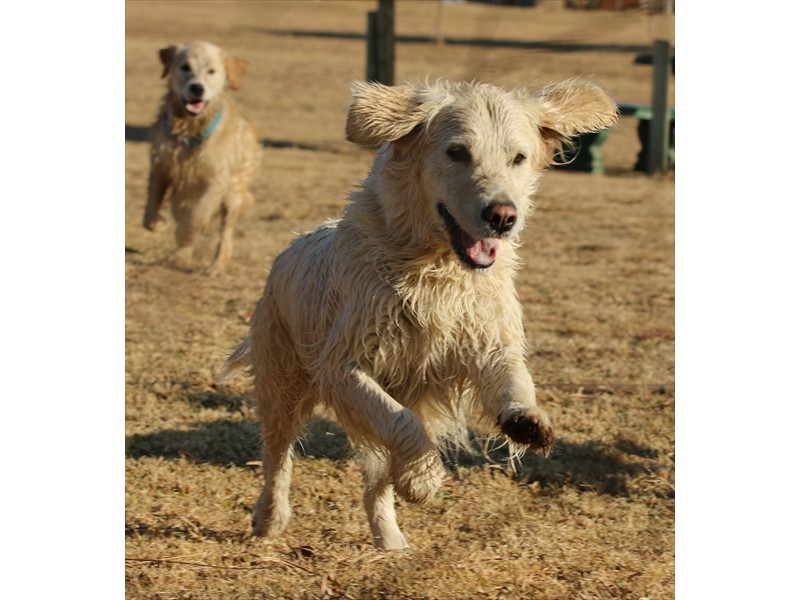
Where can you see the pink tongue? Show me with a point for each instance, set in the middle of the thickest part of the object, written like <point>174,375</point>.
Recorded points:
<point>195,107</point>
<point>483,252</point>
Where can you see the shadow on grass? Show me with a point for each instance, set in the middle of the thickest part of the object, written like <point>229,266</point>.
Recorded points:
<point>220,442</point>
<point>610,469</point>
<point>225,442</point>
<point>216,399</point>
<point>141,133</point>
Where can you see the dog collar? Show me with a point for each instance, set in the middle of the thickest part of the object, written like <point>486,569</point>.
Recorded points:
<point>195,141</point>
<point>199,139</point>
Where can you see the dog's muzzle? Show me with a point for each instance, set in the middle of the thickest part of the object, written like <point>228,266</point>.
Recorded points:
<point>194,102</point>
<point>474,253</point>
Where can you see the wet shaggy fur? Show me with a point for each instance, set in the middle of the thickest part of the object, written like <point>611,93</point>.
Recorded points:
<point>204,154</point>
<point>402,316</point>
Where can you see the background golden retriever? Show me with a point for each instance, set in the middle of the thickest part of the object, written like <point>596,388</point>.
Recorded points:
<point>204,154</point>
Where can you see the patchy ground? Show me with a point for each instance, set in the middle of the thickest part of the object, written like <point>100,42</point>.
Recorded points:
<point>595,520</point>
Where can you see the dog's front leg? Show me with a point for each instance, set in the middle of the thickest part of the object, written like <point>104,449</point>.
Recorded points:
<point>372,417</point>
<point>232,207</point>
<point>192,219</point>
<point>509,393</point>
<point>157,185</point>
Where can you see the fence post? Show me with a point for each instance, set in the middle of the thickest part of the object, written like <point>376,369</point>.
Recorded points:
<point>660,122</point>
<point>373,71</point>
<point>439,17</point>
<point>380,43</point>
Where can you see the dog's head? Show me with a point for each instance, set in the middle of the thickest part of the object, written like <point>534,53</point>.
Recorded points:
<point>198,73</point>
<point>470,155</point>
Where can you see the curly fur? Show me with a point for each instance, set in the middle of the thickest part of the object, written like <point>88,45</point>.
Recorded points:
<point>402,316</point>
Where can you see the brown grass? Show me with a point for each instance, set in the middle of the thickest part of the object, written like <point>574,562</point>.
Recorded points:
<point>595,520</point>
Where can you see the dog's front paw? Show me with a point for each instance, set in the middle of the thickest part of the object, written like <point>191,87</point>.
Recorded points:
<point>417,481</point>
<point>182,258</point>
<point>215,270</point>
<point>530,427</point>
<point>153,223</point>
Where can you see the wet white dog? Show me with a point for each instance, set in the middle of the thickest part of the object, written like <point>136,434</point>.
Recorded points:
<point>402,316</point>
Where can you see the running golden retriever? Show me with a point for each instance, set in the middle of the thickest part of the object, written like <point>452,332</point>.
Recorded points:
<point>402,316</point>
<point>204,154</point>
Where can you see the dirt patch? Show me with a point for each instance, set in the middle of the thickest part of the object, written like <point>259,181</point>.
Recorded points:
<point>595,520</point>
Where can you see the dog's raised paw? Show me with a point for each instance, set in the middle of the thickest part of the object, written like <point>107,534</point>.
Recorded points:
<point>531,428</point>
<point>419,480</point>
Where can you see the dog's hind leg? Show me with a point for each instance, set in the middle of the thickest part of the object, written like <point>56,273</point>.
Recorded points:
<point>369,415</point>
<point>279,430</point>
<point>379,503</point>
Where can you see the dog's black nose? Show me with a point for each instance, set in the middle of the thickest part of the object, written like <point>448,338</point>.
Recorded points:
<point>501,217</point>
<point>196,89</point>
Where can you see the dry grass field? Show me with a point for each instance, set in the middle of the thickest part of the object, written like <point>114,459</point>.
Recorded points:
<point>594,520</point>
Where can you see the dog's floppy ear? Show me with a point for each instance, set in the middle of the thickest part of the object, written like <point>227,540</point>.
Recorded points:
<point>167,55</point>
<point>379,113</point>
<point>573,107</point>
<point>235,69</point>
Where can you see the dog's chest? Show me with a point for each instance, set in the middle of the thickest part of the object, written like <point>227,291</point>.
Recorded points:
<point>190,169</point>
<point>435,350</point>
<point>187,150</point>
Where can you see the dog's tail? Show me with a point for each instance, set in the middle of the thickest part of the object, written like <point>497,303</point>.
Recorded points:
<point>238,360</point>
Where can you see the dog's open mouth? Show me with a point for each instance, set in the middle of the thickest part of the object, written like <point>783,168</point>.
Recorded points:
<point>195,107</point>
<point>475,254</point>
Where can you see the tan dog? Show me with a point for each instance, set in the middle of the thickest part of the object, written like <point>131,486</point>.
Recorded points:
<point>402,316</point>
<point>204,155</point>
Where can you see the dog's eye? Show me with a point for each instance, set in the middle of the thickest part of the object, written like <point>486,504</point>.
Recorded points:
<point>211,71</point>
<point>519,159</point>
<point>459,153</point>
<point>186,68</point>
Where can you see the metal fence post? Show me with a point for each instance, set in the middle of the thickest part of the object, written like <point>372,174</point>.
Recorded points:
<point>660,122</point>
<point>380,43</point>
<point>373,71</point>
